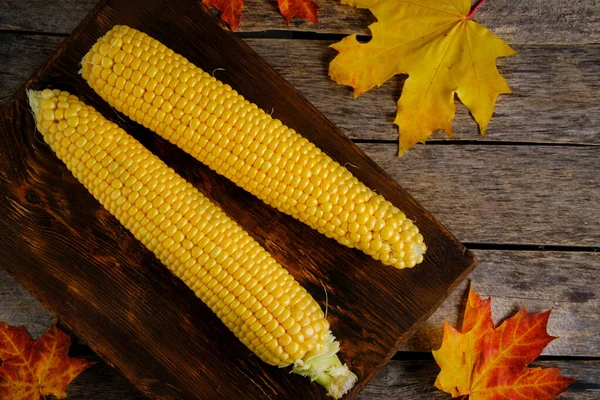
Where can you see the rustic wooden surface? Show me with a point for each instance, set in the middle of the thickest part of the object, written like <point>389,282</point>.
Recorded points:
<point>525,197</point>
<point>538,78</point>
<point>409,375</point>
<point>520,22</point>
<point>105,287</point>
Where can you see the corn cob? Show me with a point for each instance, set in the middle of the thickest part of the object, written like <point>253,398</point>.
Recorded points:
<point>254,296</point>
<point>148,82</point>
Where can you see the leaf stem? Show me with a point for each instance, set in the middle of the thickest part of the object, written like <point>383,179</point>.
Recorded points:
<point>466,395</point>
<point>474,10</point>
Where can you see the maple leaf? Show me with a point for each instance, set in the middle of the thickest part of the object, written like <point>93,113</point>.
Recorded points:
<point>488,363</point>
<point>231,10</point>
<point>442,50</point>
<point>34,368</point>
<point>305,9</point>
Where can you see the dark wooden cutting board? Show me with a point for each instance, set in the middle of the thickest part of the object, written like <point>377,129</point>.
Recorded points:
<point>108,289</point>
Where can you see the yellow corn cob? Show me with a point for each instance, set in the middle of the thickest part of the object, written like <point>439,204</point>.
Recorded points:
<point>254,296</point>
<point>152,85</point>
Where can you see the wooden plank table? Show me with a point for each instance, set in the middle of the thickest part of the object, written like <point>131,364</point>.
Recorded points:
<point>525,198</point>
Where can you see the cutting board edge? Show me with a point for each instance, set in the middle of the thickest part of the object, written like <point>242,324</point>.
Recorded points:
<point>473,262</point>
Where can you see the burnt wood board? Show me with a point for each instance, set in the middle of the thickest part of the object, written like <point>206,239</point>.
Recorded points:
<point>58,241</point>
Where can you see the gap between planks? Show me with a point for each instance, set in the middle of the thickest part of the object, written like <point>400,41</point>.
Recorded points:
<point>556,97</point>
<point>530,247</point>
<point>482,142</point>
<point>400,379</point>
<point>517,22</point>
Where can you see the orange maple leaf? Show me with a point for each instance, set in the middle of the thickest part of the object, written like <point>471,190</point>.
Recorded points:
<point>305,9</point>
<point>34,368</point>
<point>488,363</point>
<point>231,10</point>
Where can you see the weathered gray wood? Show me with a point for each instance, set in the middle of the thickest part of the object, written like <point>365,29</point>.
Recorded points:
<point>561,280</point>
<point>400,379</point>
<point>537,21</point>
<point>565,282</point>
<point>503,194</point>
<point>57,16</point>
<point>411,379</point>
<point>556,91</point>
<point>556,94</point>
<point>517,22</point>
<point>19,307</point>
<point>21,55</point>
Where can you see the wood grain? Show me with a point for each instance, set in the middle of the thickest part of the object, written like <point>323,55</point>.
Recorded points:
<point>400,379</point>
<point>18,307</point>
<point>518,22</point>
<point>414,379</point>
<point>561,78</point>
<point>75,257</point>
<point>544,195</point>
<point>538,280</point>
<point>101,382</point>
<point>556,91</point>
<point>21,56</point>
<point>563,281</point>
<point>407,379</point>
<point>58,16</point>
<point>556,94</point>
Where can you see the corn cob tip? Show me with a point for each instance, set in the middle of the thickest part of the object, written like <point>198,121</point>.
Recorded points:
<point>325,368</point>
<point>418,251</point>
<point>34,98</point>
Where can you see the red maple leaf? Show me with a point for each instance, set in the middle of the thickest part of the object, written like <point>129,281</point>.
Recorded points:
<point>305,9</point>
<point>231,10</point>
<point>487,363</point>
<point>34,368</point>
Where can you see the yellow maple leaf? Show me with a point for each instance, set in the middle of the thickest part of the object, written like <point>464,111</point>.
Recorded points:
<point>442,50</point>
